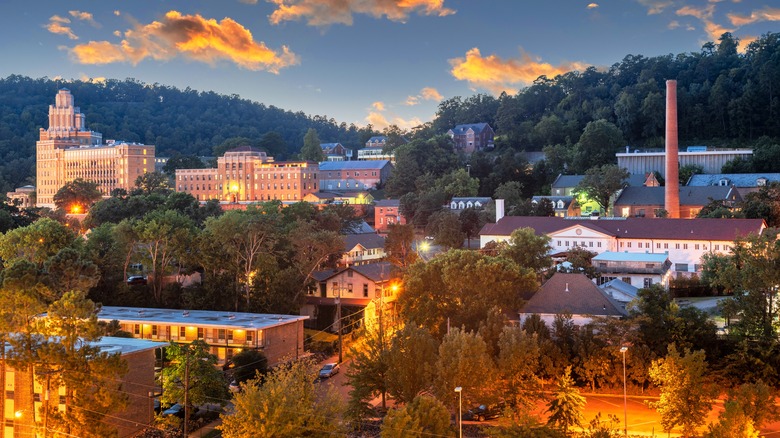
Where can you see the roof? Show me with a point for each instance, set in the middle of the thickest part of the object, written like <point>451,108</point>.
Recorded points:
<point>634,180</point>
<point>700,195</point>
<point>572,293</point>
<point>645,257</point>
<point>735,179</point>
<point>354,165</point>
<point>621,286</point>
<point>377,139</point>
<point>482,200</point>
<point>634,227</point>
<point>329,145</point>
<point>368,241</point>
<point>197,318</point>
<point>567,200</point>
<point>388,203</point>
<point>245,149</point>
<point>476,127</point>
<point>377,272</point>
<point>110,344</point>
<point>362,228</point>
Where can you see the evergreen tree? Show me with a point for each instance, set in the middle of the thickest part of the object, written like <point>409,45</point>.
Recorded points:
<point>311,150</point>
<point>566,408</point>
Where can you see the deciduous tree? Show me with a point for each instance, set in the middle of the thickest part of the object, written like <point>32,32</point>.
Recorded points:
<point>600,183</point>
<point>424,416</point>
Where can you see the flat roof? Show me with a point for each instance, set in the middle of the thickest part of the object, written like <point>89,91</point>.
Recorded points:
<point>197,318</point>
<point>110,344</point>
<point>631,257</point>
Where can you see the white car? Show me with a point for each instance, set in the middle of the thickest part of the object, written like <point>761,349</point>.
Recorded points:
<point>329,370</point>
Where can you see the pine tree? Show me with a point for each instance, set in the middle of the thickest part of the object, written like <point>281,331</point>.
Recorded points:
<point>566,408</point>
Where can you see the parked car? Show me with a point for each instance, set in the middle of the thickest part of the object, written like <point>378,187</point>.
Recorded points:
<point>329,370</point>
<point>175,410</point>
<point>234,387</point>
<point>134,280</point>
<point>485,412</point>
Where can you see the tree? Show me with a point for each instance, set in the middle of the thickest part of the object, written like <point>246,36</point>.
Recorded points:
<point>249,364</point>
<point>369,371</point>
<point>399,245</point>
<point>763,204</point>
<point>580,260</point>
<point>444,226</point>
<point>192,377</point>
<point>600,183</point>
<point>69,271</point>
<point>311,150</point>
<point>518,362</point>
<point>424,416</point>
<point>733,423</point>
<point>565,409</point>
<point>412,344</point>
<point>77,196</point>
<point>461,353</point>
<point>687,171</point>
<point>598,144</point>
<point>151,182</point>
<point>36,242</point>
<point>180,161</point>
<point>434,292</point>
<point>686,397</point>
<point>757,402</point>
<point>286,404</point>
<point>529,250</point>
<point>471,223</point>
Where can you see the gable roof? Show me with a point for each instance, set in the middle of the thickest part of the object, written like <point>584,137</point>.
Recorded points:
<point>620,285</point>
<point>380,271</point>
<point>735,179</point>
<point>366,240</point>
<point>388,203</point>
<point>567,200</point>
<point>462,129</point>
<point>354,165</point>
<point>634,228</point>
<point>694,196</point>
<point>573,293</point>
<point>563,181</point>
<point>326,146</point>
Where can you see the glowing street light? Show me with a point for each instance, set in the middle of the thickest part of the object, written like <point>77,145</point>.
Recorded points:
<point>459,390</point>
<point>75,209</point>
<point>623,350</point>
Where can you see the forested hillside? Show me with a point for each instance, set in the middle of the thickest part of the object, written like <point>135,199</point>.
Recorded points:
<point>725,98</point>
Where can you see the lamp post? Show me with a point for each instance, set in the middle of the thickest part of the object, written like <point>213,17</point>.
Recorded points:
<point>623,350</point>
<point>459,390</point>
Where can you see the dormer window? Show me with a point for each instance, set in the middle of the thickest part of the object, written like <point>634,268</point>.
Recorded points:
<point>724,182</point>
<point>761,182</point>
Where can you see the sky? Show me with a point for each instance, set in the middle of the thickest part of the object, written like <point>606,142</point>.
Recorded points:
<point>357,61</point>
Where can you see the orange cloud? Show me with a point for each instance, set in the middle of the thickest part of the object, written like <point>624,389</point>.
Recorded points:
<point>745,41</point>
<point>496,74</point>
<point>430,93</point>
<point>191,36</point>
<point>655,6</point>
<point>84,16</point>
<point>380,122</point>
<point>592,5</point>
<point>379,106</point>
<point>766,14</point>
<point>327,12</point>
<point>714,30</point>
<point>60,25</point>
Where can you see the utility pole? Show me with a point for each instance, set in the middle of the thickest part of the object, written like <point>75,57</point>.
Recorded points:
<point>338,319</point>
<point>186,389</point>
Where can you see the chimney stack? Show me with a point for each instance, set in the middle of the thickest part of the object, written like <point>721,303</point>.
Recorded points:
<point>672,188</point>
<point>499,209</point>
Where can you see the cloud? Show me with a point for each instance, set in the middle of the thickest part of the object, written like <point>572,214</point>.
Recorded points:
<point>380,122</point>
<point>592,5</point>
<point>60,25</point>
<point>714,30</point>
<point>379,106</point>
<point>496,74</point>
<point>674,24</point>
<point>190,36</point>
<point>412,101</point>
<point>97,80</point>
<point>427,93</point>
<point>84,16</point>
<point>766,14</point>
<point>117,13</point>
<point>327,12</point>
<point>745,41</point>
<point>655,6</point>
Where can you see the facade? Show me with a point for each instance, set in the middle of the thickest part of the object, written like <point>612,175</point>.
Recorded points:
<point>22,197</point>
<point>711,161</point>
<point>649,201</point>
<point>563,206</point>
<point>637,269</point>
<point>472,137</point>
<point>360,291</point>
<point>354,175</point>
<point>374,150</point>
<point>571,293</point>
<point>279,337</point>
<point>684,241</point>
<point>21,413</point>
<point>362,249</point>
<point>387,212</point>
<point>245,175</point>
<point>67,151</point>
<point>333,149</point>
<point>566,185</point>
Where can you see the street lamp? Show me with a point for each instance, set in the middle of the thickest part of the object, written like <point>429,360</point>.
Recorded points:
<point>623,350</point>
<point>459,390</point>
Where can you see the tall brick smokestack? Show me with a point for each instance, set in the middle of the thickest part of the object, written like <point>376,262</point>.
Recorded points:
<point>672,188</point>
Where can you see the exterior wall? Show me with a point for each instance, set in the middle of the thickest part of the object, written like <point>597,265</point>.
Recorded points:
<point>353,179</point>
<point>651,211</point>
<point>137,384</point>
<point>250,176</point>
<point>384,216</point>
<point>374,153</point>
<point>711,161</point>
<point>361,256</point>
<point>23,197</point>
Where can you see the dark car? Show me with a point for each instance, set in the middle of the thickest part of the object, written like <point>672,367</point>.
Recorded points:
<point>485,412</point>
<point>175,410</point>
<point>329,370</point>
<point>135,280</point>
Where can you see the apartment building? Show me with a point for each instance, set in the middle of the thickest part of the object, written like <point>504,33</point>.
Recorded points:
<point>67,151</point>
<point>279,337</point>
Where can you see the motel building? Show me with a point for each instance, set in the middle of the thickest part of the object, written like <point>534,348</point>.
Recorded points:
<point>279,337</point>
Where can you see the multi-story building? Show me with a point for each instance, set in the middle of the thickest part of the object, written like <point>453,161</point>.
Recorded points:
<point>67,151</point>
<point>374,150</point>
<point>245,174</point>
<point>472,137</point>
<point>634,268</point>
<point>22,412</point>
<point>711,160</point>
<point>387,212</point>
<point>649,201</point>
<point>22,197</point>
<point>354,175</point>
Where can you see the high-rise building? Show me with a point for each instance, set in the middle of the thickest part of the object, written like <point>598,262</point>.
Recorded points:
<point>67,151</point>
<point>245,175</point>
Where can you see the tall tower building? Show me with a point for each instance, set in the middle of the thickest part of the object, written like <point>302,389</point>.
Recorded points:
<point>67,151</point>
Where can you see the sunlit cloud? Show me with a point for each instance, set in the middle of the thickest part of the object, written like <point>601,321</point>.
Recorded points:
<point>379,106</point>
<point>327,12</point>
<point>97,80</point>
<point>674,24</point>
<point>496,74</point>
<point>713,30</point>
<point>655,6</point>
<point>380,122</point>
<point>117,13</point>
<point>427,93</point>
<point>84,16</point>
<point>60,25</point>
<point>592,5</point>
<point>412,101</point>
<point>745,41</point>
<point>190,36</point>
<point>117,33</point>
<point>766,14</point>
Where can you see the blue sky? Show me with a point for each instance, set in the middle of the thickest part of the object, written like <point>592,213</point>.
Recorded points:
<point>357,61</point>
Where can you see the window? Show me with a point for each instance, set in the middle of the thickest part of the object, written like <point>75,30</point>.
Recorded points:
<point>200,332</point>
<point>154,330</point>
<point>136,329</point>
<point>658,245</point>
<point>676,246</point>
<point>648,282</point>
<point>221,334</point>
<point>717,247</point>
<point>349,273</point>
<point>230,335</point>
<point>666,246</point>
<point>182,332</point>
<point>365,290</point>
<point>567,243</point>
<point>602,265</point>
<point>598,244</point>
<point>696,246</point>
<point>681,267</point>
<point>685,246</point>
<point>250,336</point>
<point>628,244</point>
<point>349,288</point>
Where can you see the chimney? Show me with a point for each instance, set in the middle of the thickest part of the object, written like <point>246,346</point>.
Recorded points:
<point>672,189</point>
<point>499,209</point>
